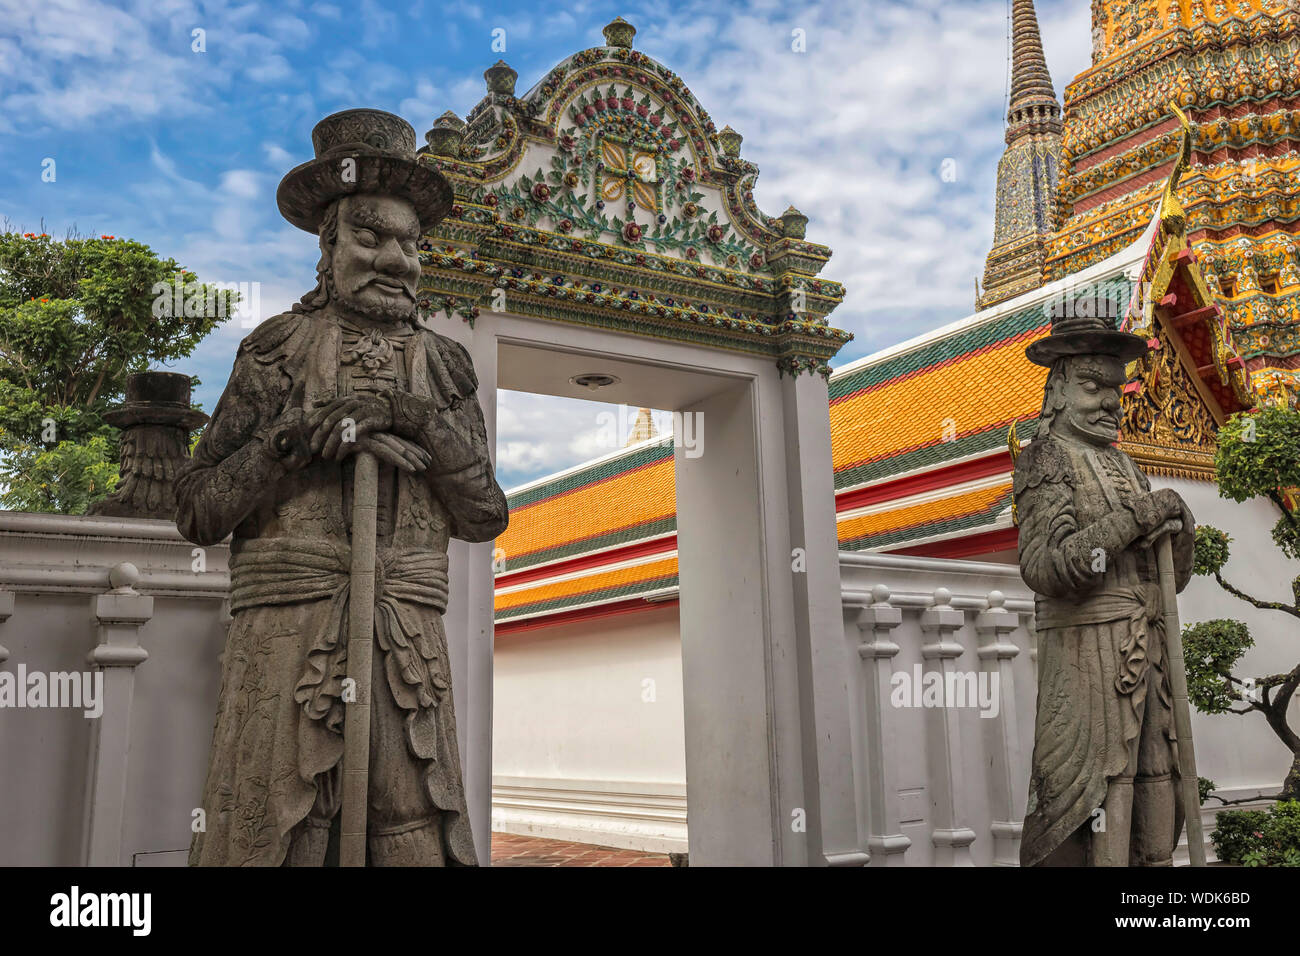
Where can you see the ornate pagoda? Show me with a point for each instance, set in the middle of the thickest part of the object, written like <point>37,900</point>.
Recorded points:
<point>1234,67</point>
<point>1027,173</point>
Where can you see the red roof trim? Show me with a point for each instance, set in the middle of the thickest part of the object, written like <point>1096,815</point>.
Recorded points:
<point>926,481</point>
<point>582,614</point>
<point>583,561</point>
<point>966,546</point>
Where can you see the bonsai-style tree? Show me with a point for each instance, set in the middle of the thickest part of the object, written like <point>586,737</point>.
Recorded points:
<point>76,317</point>
<point>1258,457</point>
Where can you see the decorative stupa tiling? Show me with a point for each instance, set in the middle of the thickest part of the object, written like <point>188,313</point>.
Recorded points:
<point>1234,67</point>
<point>605,195</point>
<point>1028,170</point>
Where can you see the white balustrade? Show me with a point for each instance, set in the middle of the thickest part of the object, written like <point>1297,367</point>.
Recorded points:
<point>943,705</point>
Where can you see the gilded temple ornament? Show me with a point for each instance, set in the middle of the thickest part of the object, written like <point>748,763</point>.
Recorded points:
<point>629,171</point>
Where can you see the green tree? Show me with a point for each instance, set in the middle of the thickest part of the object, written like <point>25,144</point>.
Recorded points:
<point>76,317</point>
<point>1258,457</point>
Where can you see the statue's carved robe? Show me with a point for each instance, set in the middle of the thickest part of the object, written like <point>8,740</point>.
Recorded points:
<point>1100,632</point>
<point>279,722</point>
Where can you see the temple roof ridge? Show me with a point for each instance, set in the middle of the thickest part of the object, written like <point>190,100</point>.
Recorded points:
<point>1120,262</point>
<point>621,452</point>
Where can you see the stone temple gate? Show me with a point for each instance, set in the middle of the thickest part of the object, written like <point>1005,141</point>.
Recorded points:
<point>605,227</point>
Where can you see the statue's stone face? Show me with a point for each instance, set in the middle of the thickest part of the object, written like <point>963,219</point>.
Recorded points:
<point>375,261</point>
<point>1091,394</point>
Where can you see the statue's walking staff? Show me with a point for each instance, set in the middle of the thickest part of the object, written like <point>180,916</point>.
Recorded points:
<point>361,634</point>
<point>1182,710</point>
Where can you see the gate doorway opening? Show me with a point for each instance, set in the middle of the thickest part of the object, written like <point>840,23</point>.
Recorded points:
<point>753,489</point>
<point>588,742</point>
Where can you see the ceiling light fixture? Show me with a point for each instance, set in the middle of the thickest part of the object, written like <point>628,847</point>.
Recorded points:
<point>594,380</point>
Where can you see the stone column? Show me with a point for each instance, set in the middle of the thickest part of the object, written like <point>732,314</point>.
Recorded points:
<point>1006,776</point>
<point>469,621</point>
<point>951,839</point>
<point>826,746</point>
<point>877,772</point>
<point>119,615</point>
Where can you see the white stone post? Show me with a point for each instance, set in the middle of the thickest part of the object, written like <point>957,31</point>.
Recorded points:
<point>951,839</point>
<point>1006,787</point>
<point>6,611</point>
<point>119,615</point>
<point>826,744</point>
<point>877,767</point>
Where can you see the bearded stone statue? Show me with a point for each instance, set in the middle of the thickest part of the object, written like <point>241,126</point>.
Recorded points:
<point>1104,786</point>
<point>349,369</point>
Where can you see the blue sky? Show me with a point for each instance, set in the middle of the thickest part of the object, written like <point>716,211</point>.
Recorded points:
<point>183,150</point>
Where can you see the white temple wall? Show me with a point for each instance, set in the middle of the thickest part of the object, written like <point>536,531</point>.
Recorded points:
<point>1240,753</point>
<point>588,735</point>
<point>149,747</point>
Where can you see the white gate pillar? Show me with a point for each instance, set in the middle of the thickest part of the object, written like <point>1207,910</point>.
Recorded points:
<point>469,620</point>
<point>825,722</point>
<point>761,626</point>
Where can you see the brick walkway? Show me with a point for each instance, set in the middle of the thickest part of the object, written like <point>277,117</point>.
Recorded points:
<point>509,849</point>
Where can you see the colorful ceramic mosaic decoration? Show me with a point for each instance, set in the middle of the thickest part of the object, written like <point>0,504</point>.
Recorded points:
<point>1234,68</point>
<point>606,196</point>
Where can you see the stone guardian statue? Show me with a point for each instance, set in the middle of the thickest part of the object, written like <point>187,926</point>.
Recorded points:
<point>1104,785</point>
<point>348,369</point>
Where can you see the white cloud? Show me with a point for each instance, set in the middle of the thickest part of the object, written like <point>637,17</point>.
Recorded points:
<point>290,30</point>
<point>541,434</point>
<point>268,69</point>
<point>424,107</point>
<point>377,24</point>
<point>855,130</point>
<point>68,63</point>
<point>277,156</point>
<point>242,183</point>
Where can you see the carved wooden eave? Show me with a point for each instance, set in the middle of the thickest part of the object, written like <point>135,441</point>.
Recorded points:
<point>1184,389</point>
<point>605,196</point>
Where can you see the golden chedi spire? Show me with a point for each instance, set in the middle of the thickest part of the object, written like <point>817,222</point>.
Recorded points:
<point>1027,173</point>
<point>643,428</point>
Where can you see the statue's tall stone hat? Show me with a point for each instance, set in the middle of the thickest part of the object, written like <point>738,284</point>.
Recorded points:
<point>156,398</point>
<point>1085,326</point>
<point>381,147</point>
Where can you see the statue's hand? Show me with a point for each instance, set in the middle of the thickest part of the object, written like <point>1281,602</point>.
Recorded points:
<point>346,421</point>
<point>287,439</point>
<point>1170,526</point>
<point>398,452</point>
<point>1169,502</point>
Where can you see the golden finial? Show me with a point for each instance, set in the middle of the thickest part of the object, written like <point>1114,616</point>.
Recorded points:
<point>1171,210</point>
